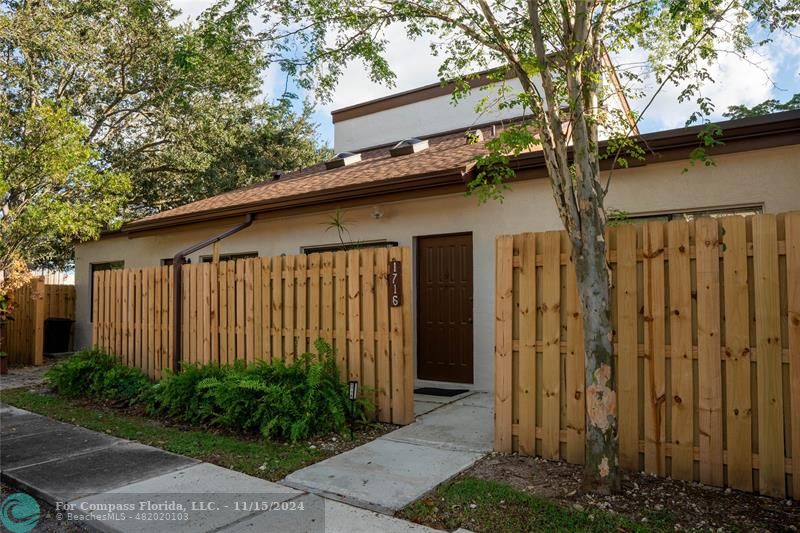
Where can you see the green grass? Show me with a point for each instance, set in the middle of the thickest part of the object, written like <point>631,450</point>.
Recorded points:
<point>254,456</point>
<point>490,506</point>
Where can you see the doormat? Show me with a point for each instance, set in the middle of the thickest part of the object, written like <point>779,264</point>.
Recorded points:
<point>435,391</point>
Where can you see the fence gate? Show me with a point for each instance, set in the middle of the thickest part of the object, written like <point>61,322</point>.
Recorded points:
<point>268,308</point>
<point>706,324</point>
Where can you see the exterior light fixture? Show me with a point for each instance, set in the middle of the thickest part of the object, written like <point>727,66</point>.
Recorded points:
<point>353,390</point>
<point>353,394</point>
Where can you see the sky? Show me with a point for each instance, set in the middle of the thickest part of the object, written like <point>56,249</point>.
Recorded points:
<point>770,72</point>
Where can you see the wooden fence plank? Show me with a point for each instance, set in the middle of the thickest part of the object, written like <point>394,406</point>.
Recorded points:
<point>289,311</point>
<point>527,346</point>
<point>628,346</point>
<point>397,355</point>
<point>130,316</point>
<point>503,362</point>
<point>258,318</point>
<point>354,314</point>
<point>708,344</point>
<point>166,324</point>
<point>158,295</point>
<point>368,378</point>
<point>231,330</point>
<point>327,297</point>
<point>680,300</point>
<point>139,347</point>
<point>95,308</point>
<point>266,308</point>
<point>249,310</point>
<point>277,308</point>
<point>301,303</point>
<point>214,311</point>
<point>314,312</point>
<point>126,333</point>
<point>205,325</point>
<point>793,304</point>
<point>575,380</point>
<point>38,318</point>
<point>382,359</point>
<point>340,289</point>
<point>551,339</point>
<point>151,321</point>
<point>408,340</point>
<point>113,310</point>
<point>223,311</point>
<point>194,305</point>
<point>241,344</point>
<point>768,365</point>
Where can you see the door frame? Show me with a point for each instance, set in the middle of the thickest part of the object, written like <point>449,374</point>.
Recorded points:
<point>418,303</point>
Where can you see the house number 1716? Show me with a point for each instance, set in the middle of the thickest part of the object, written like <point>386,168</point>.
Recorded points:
<point>395,283</point>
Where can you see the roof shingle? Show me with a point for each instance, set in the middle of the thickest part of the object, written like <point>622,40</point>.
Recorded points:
<point>449,154</point>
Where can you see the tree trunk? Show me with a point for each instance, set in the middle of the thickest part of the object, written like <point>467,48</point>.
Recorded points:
<point>601,471</point>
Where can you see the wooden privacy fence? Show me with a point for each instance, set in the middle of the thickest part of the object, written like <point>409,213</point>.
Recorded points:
<point>269,308</point>
<point>706,319</point>
<point>23,337</point>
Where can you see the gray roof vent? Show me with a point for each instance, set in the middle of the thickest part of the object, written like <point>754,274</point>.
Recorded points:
<point>408,146</point>
<point>342,159</point>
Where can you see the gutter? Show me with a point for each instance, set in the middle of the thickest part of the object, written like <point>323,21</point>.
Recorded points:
<point>177,285</point>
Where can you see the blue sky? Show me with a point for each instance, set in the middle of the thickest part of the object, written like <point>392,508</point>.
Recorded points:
<point>770,72</point>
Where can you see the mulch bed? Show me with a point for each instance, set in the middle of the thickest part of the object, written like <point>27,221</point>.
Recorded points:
<point>689,505</point>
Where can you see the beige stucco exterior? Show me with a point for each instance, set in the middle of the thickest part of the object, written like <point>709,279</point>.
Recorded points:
<point>769,178</point>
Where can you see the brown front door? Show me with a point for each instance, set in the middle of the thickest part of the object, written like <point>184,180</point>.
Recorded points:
<point>444,308</point>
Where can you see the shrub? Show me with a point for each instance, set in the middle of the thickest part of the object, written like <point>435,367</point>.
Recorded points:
<point>279,400</point>
<point>96,374</point>
<point>291,401</point>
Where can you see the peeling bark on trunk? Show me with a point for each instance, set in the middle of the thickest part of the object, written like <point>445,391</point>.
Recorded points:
<point>601,472</point>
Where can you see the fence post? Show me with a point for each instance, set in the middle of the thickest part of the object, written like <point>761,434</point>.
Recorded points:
<point>38,320</point>
<point>503,343</point>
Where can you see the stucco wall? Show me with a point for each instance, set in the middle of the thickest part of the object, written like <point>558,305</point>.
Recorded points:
<point>419,119</point>
<point>767,177</point>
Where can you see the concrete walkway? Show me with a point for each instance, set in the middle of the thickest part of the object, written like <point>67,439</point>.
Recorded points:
<point>392,471</point>
<point>122,486</point>
<point>25,376</point>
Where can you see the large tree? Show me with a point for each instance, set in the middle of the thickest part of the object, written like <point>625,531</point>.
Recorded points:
<point>160,101</point>
<point>558,49</point>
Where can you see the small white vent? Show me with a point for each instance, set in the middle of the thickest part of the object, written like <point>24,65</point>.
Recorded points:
<point>408,146</point>
<point>342,159</point>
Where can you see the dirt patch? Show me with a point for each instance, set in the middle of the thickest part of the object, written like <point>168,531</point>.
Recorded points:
<point>687,505</point>
<point>50,521</point>
<point>25,376</point>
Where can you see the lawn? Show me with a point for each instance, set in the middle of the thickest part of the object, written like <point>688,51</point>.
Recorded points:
<point>492,506</point>
<point>251,455</point>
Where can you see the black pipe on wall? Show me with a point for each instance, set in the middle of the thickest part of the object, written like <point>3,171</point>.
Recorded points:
<point>177,282</point>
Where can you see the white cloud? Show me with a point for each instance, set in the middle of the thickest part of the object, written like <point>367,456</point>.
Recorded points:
<point>736,82</point>
<point>411,61</point>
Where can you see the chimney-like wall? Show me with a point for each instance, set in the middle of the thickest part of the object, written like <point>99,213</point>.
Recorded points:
<point>419,113</point>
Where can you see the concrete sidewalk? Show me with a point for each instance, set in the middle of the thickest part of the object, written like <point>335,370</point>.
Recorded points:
<point>122,486</point>
<point>396,469</point>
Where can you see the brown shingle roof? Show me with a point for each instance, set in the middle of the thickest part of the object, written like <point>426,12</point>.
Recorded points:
<point>449,154</point>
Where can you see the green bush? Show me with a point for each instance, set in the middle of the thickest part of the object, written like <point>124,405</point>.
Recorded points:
<point>95,374</point>
<point>291,401</point>
<point>279,400</point>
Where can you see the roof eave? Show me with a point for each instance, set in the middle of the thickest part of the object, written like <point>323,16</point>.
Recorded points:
<point>345,192</point>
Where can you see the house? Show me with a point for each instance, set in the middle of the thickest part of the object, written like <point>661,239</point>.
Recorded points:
<point>414,196</point>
